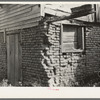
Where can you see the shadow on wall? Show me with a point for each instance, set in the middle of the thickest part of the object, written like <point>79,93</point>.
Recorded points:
<point>88,68</point>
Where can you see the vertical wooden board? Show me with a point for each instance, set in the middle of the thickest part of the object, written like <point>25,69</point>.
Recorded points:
<point>83,38</point>
<point>20,57</point>
<point>8,58</point>
<point>12,59</point>
<point>16,59</point>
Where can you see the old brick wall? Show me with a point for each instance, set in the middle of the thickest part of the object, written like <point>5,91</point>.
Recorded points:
<point>33,72</point>
<point>43,63</point>
<point>3,63</point>
<point>92,51</point>
<point>69,69</point>
<point>63,66</point>
<point>89,67</point>
<point>93,48</point>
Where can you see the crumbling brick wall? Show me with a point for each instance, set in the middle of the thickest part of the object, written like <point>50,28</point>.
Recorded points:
<point>3,62</point>
<point>44,64</point>
<point>69,69</point>
<point>62,66</point>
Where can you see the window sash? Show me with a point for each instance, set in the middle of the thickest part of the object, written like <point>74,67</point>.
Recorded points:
<point>70,43</point>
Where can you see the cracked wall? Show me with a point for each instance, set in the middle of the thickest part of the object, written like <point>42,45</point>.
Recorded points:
<point>62,66</point>
<point>70,69</point>
<point>43,63</point>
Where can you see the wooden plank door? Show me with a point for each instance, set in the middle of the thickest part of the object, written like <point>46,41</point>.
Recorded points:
<point>13,59</point>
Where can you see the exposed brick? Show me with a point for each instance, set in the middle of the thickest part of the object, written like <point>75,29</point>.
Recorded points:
<point>43,63</point>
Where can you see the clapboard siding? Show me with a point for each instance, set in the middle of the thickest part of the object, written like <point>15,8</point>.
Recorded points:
<point>17,10</point>
<point>8,10</point>
<point>21,26</point>
<point>22,23</point>
<point>19,20</point>
<point>19,16</point>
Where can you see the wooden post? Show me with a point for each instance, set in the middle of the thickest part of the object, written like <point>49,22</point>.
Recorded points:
<point>95,19</point>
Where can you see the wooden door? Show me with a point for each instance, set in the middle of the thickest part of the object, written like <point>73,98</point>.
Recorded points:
<point>13,58</point>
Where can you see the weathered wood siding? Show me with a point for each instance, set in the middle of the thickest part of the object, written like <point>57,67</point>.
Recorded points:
<point>18,16</point>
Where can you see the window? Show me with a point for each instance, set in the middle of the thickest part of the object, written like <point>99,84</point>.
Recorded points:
<point>72,38</point>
